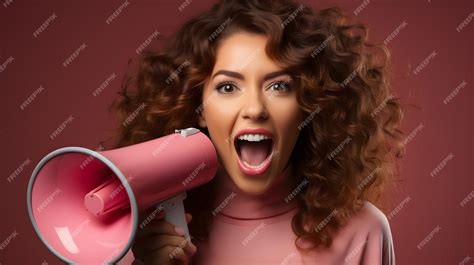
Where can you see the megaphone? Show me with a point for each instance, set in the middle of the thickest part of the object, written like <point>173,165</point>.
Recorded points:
<point>84,204</point>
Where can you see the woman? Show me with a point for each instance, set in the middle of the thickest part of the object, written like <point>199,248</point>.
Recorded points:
<point>298,106</point>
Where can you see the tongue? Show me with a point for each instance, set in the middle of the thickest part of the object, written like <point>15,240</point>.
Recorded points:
<point>254,152</point>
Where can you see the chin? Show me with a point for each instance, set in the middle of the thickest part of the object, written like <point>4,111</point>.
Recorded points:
<point>252,185</point>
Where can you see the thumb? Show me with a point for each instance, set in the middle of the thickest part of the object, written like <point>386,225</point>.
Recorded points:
<point>188,217</point>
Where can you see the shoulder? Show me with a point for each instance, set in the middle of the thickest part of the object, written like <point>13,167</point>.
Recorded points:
<point>368,236</point>
<point>374,226</point>
<point>372,222</point>
<point>373,217</point>
<point>368,219</point>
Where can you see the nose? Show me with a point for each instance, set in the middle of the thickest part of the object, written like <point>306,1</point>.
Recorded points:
<point>254,108</point>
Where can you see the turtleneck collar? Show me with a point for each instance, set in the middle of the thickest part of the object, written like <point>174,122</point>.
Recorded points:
<point>232,202</point>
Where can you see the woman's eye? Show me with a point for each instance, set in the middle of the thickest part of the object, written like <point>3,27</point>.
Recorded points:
<point>281,86</point>
<point>225,88</point>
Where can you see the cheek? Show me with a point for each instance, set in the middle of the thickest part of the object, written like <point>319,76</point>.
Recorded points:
<point>287,116</point>
<point>219,120</point>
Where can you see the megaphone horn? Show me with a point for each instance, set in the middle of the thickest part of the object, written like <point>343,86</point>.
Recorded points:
<point>87,213</point>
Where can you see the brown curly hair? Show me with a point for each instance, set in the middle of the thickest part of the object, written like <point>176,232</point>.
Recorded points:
<point>347,147</point>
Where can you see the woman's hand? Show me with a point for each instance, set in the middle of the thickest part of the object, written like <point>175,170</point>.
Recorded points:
<point>158,242</point>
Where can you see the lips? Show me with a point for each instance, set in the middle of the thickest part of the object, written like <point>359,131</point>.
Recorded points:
<point>261,131</point>
<point>254,152</point>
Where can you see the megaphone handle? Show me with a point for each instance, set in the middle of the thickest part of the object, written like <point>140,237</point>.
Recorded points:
<point>175,213</point>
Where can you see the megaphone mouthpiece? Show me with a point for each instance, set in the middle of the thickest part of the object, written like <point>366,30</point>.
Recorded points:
<point>107,197</point>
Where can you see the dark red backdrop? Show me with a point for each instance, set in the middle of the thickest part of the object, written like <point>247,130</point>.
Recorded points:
<point>32,64</point>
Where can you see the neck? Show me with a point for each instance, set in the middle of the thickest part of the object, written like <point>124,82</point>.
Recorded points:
<point>232,202</point>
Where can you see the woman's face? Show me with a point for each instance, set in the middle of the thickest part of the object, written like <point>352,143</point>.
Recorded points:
<point>247,90</point>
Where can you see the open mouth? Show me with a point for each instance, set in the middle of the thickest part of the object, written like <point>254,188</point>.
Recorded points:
<point>254,153</point>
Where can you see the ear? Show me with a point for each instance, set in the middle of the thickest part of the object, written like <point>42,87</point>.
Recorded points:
<point>202,120</point>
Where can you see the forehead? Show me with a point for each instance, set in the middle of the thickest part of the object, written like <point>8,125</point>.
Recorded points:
<point>244,52</point>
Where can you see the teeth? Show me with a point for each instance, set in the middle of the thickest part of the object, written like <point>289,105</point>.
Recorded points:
<point>253,137</point>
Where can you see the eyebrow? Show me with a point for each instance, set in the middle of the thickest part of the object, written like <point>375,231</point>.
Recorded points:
<point>240,76</point>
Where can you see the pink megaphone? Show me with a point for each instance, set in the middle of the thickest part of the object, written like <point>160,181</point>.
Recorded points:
<point>84,204</point>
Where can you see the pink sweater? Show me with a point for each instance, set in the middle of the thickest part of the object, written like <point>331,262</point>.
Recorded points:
<point>257,230</point>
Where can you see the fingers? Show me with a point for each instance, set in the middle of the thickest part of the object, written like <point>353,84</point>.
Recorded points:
<point>189,217</point>
<point>157,227</point>
<point>150,244</point>
<point>165,255</point>
<point>160,242</point>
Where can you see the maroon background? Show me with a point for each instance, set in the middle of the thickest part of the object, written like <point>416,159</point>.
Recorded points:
<point>68,91</point>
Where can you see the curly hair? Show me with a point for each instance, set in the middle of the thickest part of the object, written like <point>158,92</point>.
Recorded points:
<point>348,144</point>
